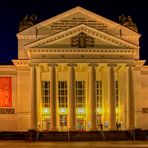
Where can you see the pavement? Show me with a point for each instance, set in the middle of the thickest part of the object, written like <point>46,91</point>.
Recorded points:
<point>111,144</point>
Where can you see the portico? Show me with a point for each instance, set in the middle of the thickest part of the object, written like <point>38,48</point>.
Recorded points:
<point>77,71</point>
<point>89,96</point>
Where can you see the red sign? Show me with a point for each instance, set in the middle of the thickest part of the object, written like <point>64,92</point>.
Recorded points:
<point>5,92</point>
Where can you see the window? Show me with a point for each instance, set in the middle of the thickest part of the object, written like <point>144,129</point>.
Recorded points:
<point>99,93</point>
<point>62,93</point>
<point>117,93</point>
<point>45,94</point>
<point>80,93</point>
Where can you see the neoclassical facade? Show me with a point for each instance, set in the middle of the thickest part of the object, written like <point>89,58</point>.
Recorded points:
<point>75,71</point>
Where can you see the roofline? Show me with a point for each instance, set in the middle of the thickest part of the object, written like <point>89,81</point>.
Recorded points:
<point>68,12</point>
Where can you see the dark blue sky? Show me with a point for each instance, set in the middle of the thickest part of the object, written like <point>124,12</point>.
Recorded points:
<point>12,11</point>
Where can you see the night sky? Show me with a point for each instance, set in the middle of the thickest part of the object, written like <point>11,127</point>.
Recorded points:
<point>12,12</point>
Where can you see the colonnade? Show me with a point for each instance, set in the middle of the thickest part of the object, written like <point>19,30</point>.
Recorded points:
<point>92,95</point>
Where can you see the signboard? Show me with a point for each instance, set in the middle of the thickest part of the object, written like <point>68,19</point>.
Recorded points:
<point>144,110</point>
<point>63,120</point>
<point>7,111</point>
<point>5,92</point>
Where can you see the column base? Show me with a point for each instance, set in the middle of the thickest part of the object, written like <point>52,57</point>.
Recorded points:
<point>113,129</point>
<point>72,129</point>
<point>93,129</point>
<point>53,129</point>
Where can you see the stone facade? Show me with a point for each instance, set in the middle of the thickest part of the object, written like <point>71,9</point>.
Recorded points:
<point>76,71</point>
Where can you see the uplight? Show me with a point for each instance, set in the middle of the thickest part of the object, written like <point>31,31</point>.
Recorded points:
<point>62,110</point>
<point>81,111</point>
<point>100,110</point>
<point>117,110</point>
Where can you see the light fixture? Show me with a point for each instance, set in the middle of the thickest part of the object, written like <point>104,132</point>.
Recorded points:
<point>62,110</point>
<point>100,110</point>
<point>81,110</point>
<point>117,110</point>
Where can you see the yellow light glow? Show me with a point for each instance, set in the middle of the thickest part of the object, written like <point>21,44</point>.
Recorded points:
<point>45,111</point>
<point>117,110</point>
<point>62,110</point>
<point>81,111</point>
<point>100,110</point>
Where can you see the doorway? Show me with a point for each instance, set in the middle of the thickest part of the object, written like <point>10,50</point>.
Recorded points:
<point>81,124</point>
<point>46,124</point>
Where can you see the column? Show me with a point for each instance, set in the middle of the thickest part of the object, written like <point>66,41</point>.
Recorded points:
<point>92,86</point>
<point>53,122</point>
<point>33,99</point>
<point>38,97</point>
<point>71,97</point>
<point>112,105</point>
<point>130,102</point>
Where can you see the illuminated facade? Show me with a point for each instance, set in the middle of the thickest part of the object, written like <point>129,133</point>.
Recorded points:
<point>75,71</point>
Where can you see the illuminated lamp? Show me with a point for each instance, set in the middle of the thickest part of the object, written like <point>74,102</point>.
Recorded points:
<point>45,111</point>
<point>62,110</point>
<point>100,110</point>
<point>117,110</point>
<point>81,110</point>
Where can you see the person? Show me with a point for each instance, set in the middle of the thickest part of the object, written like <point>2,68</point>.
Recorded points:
<point>117,125</point>
<point>101,127</point>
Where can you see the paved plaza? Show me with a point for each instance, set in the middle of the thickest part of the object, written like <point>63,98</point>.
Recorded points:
<point>115,144</point>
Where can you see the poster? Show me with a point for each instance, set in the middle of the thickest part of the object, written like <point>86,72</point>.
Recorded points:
<point>63,120</point>
<point>5,92</point>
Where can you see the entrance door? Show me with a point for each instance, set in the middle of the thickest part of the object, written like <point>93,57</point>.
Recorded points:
<point>81,124</point>
<point>45,124</point>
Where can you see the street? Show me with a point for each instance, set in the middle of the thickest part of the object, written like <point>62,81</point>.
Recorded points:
<point>110,144</point>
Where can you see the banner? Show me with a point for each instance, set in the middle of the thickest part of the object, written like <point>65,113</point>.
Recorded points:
<point>5,92</point>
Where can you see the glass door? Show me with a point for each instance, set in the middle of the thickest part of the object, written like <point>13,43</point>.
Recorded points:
<point>81,124</point>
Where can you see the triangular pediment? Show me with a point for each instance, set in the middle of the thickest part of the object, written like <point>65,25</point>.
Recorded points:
<point>78,16</point>
<point>92,37</point>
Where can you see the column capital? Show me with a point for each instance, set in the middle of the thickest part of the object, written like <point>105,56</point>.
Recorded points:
<point>71,64</point>
<point>112,64</point>
<point>52,64</point>
<point>92,64</point>
<point>130,65</point>
<point>33,64</point>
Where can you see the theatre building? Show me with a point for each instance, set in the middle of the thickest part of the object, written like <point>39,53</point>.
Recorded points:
<point>75,72</point>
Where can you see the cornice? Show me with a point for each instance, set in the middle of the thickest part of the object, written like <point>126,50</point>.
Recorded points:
<point>21,63</point>
<point>139,63</point>
<point>76,50</point>
<point>81,28</point>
